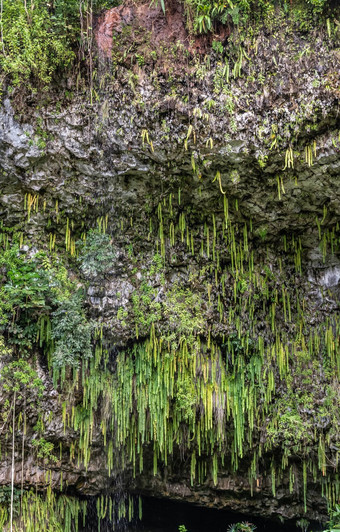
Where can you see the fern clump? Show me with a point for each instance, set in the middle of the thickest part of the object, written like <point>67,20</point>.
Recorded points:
<point>97,254</point>
<point>71,333</point>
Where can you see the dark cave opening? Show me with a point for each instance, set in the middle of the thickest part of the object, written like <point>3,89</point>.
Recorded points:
<point>162,515</point>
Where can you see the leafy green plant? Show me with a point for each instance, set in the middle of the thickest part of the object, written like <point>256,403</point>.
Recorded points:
<point>334,521</point>
<point>217,46</point>
<point>5,498</point>
<point>208,14</point>
<point>317,5</point>
<point>303,524</point>
<point>162,3</point>
<point>19,377</point>
<point>44,449</point>
<point>242,527</point>
<point>97,255</point>
<point>289,427</point>
<point>203,20</point>
<point>40,38</point>
<point>186,399</point>
<point>71,333</point>
<point>32,287</point>
<point>182,309</point>
<point>33,41</point>
<point>24,287</point>
<point>121,315</point>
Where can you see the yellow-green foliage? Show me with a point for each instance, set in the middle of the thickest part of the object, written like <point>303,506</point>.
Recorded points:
<point>193,398</point>
<point>51,513</point>
<point>54,512</point>
<point>217,398</point>
<point>39,38</point>
<point>225,367</point>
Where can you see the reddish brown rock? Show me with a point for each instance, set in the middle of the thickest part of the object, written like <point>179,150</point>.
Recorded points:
<point>108,23</point>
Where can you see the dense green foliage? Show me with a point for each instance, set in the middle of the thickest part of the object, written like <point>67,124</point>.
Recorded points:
<point>26,296</point>
<point>34,39</point>
<point>20,383</point>
<point>40,306</point>
<point>183,387</point>
<point>97,254</point>
<point>72,334</point>
<point>40,38</point>
<point>18,376</point>
<point>39,514</point>
<point>334,522</point>
<point>206,14</point>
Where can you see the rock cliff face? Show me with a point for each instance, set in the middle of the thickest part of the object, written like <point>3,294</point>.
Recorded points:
<point>216,177</point>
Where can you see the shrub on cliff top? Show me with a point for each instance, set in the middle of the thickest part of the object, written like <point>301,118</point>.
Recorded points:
<point>205,14</point>
<point>40,37</point>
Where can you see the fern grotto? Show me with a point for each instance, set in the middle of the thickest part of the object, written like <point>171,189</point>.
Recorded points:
<point>169,265</point>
